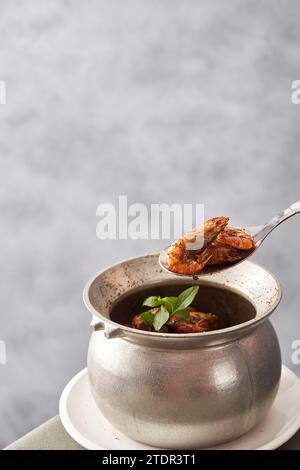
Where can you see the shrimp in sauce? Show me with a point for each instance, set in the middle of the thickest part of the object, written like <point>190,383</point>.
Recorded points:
<point>221,244</point>
<point>182,261</point>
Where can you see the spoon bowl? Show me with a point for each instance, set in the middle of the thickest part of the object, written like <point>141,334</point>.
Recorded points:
<point>207,270</point>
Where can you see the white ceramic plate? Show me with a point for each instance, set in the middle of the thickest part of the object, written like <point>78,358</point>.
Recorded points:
<point>87,426</point>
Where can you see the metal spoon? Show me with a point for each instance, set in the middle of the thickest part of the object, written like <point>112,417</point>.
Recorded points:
<point>258,233</point>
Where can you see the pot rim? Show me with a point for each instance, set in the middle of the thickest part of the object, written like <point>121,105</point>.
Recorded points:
<point>128,331</point>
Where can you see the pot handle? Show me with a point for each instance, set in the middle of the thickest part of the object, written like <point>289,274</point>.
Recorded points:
<point>109,331</point>
<point>97,325</point>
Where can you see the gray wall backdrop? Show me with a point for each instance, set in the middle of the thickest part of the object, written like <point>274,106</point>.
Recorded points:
<point>163,101</point>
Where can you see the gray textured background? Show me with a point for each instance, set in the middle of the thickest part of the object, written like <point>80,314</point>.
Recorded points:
<point>161,100</point>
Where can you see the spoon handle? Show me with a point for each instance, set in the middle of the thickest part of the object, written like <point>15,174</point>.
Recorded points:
<point>295,207</point>
<point>278,219</point>
<point>289,212</point>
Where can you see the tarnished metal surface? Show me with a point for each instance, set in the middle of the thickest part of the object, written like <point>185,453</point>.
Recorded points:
<point>184,391</point>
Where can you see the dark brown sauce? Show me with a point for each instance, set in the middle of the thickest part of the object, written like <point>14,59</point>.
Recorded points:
<point>230,307</point>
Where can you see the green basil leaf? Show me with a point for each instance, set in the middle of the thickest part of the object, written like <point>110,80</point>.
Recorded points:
<point>170,303</point>
<point>148,318</point>
<point>186,298</point>
<point>184,314</point>
<point>160,318</point>
<point>152,301</point>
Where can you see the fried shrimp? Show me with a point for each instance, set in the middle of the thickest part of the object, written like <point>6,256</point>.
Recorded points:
<point>137,321</point>
<point>219,244</point>
<point>197,323</point>
<point>208,231</point>
<point>224,254</point>
<point>181,262</point>
<point>236,238</point>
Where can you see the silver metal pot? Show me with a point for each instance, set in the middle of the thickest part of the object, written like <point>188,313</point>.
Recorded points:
<point>184,391</point>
